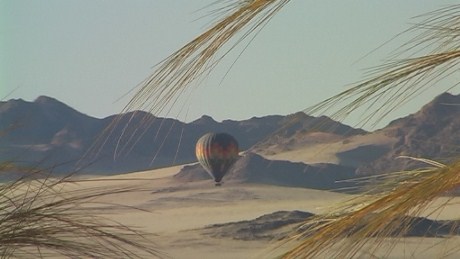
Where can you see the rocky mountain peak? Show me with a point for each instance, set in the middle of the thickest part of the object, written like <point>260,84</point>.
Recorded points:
<point>432,133</point>
<point>443,105</point>
<point>42,99</point>
<point>205,119</point>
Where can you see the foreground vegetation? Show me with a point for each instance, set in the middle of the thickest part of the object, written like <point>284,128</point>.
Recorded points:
<point>425,61</point>
<point>39,217</point>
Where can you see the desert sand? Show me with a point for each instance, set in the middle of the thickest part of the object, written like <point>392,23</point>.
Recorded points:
<point>177,212</point>
<point>325,151</point>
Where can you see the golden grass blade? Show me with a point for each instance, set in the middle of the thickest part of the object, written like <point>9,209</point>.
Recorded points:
<point>424,160</point>
<point>430,57</point>
<point>197,58</point>
<point>41,217</point>
<point>370,219</point>
<point>237,20</point>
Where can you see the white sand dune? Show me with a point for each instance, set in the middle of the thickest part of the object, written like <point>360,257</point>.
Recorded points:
<point>326,151</point>
<point>176,210</point>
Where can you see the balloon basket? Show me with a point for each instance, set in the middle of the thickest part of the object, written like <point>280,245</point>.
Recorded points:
<point>218,184</point>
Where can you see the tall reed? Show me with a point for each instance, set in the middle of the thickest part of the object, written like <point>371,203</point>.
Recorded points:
<point>40,216</point>
<point>425,61</point>
<point>431,56</point>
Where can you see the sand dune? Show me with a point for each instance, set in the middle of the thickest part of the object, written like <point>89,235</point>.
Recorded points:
<point>327,151</point>
<point>178,212</point>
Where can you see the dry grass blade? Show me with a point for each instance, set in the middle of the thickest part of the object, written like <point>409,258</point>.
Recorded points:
<point>370,219</point>
<point>39,217</point>
<point>196,59</point>
<point>193,62</point>
<point>430,57</point>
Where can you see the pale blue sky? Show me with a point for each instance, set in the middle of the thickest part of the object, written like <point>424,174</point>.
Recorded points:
<point>89,53</point>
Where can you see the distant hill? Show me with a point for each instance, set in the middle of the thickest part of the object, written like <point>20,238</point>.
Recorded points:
<point>48,133</point>
<point>433,133</point>
<point>301,129</point>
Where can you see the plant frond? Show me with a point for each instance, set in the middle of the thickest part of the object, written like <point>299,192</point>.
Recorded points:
<point>427,59</point>
<point>424,160</point>
<point>41,216</point>
<point>200,56</point>
<point>237,20</point>
<point>368,219</point>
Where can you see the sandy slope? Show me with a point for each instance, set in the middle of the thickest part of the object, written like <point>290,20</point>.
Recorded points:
<point>326,151</point>
<point>177,210</point>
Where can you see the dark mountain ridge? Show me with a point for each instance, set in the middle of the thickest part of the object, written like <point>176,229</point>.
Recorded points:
<point>433,133</point>
<point>48,132</point>
<point>38,122</point>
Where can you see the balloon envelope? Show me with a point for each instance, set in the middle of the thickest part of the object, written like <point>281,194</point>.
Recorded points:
<point>216,152</point>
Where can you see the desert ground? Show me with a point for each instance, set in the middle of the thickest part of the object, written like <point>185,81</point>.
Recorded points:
<point>178,214</point>
<point>178,211</point>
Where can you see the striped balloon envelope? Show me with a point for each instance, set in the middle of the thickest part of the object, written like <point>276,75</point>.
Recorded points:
<point>217,152</point>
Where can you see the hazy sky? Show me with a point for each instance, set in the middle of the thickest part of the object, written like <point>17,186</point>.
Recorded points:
<point>90,53</point>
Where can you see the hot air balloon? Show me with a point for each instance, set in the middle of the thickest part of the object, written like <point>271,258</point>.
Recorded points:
<point>216,152</point>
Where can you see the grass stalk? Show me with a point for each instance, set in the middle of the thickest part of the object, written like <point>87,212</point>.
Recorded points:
<point>41,217</point>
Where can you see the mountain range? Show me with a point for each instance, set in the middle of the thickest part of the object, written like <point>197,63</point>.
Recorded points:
<point>433,132</point>
<point>48,133</point>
